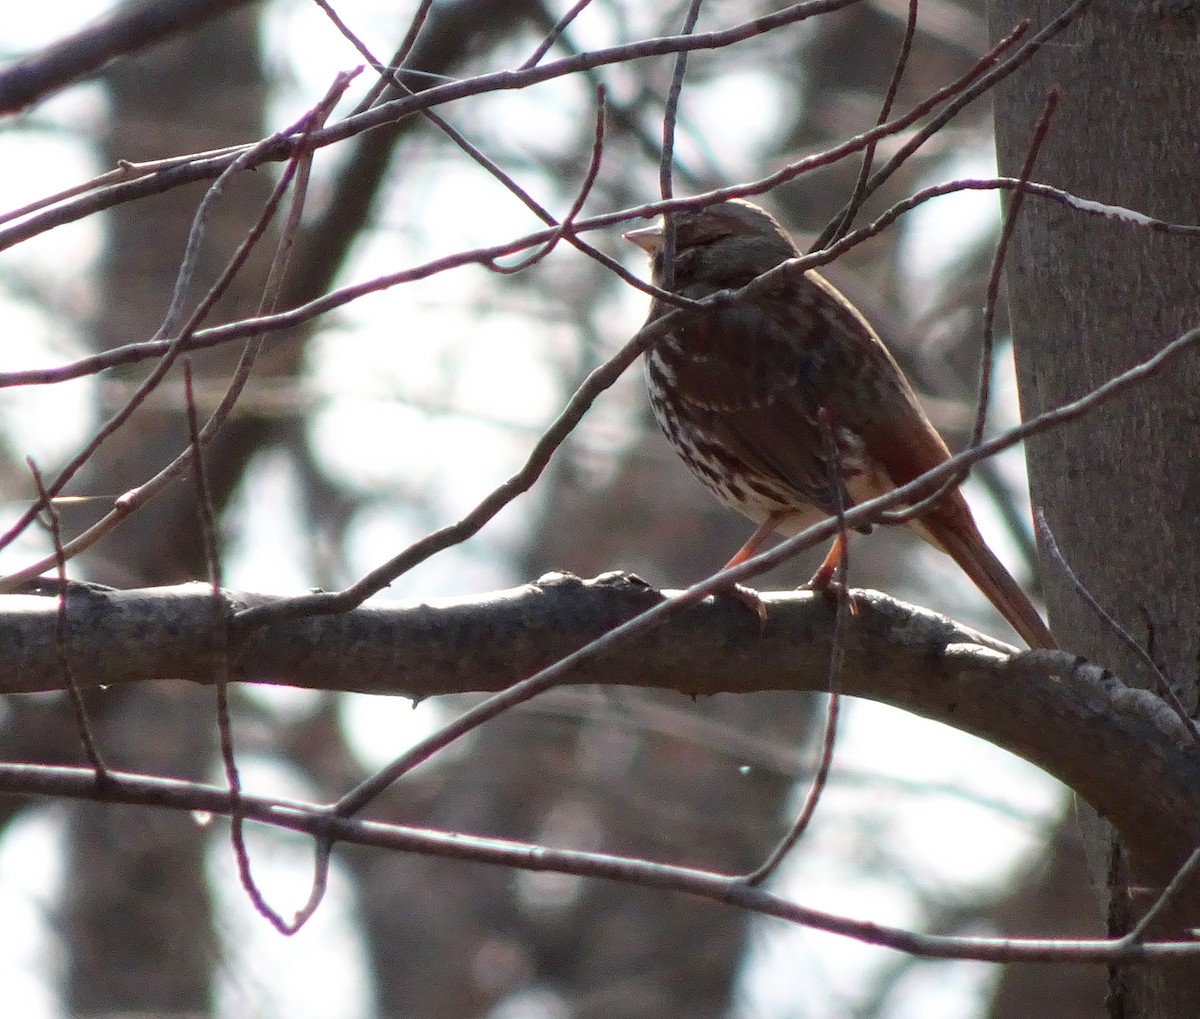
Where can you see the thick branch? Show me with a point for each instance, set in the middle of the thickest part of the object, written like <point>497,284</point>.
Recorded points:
<point>1120,749</point>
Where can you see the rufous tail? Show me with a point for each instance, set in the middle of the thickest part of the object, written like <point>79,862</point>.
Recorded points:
<point>965,545</point>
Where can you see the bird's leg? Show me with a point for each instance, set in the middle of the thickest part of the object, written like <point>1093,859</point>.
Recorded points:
<point>823,578</point>
<point>747,595</point>
<point>755,541</point>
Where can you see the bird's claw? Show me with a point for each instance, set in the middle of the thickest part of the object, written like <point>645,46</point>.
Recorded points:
<point>835,591</point>
<point>750,598</point>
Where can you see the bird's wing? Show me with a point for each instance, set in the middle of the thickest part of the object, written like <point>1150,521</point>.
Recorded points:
<point>757,393</point>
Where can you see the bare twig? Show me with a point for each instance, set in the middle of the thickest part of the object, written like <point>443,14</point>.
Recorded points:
<point>90,747</point>
<point>1040,130</point>
<point>1138,934</point>
<point>837,654</point>
<point>845,218</point>
<point>310,818</point>
<point>989,314</point>
<point>555,33</point>
<point>671,109</point>
<point>234,331</point>
<point>388,74</point>
<point>983,81</point>
<point>220,653</point>
<point>560,230</point>
<point>1162,684</point>
<point>283,147</point>
<point>666,158</point>
<point>567,227</point>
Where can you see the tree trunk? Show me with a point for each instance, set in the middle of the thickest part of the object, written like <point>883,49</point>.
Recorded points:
<point>1090,297</point>
<point>136,908</point>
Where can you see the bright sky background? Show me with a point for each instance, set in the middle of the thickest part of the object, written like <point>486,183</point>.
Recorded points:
<point>951,839</point>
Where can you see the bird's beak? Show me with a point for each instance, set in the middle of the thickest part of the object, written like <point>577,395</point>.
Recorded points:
<point>648,238</point>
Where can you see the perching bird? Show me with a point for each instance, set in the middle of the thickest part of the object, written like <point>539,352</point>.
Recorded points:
<point>741,390</point>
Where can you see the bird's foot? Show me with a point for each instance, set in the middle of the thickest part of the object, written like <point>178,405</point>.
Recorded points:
<point>833,589</point>
<point>746,596</point>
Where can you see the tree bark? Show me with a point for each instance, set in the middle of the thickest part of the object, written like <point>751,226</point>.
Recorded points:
<point>1090,297</point>
<point>1123,750</point>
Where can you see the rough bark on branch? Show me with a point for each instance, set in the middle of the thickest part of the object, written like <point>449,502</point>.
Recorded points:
<point>1120,749</point>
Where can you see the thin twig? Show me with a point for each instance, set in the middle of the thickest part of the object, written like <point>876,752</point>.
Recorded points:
<point>1138,934</point>
<point>983,397</point>
<point>554,34</point>
<point>405,106</point>
<point>220,661</point>
<point>284,147</point>
<point>990,59</point>
<point>963,97</point>
<point>671,107</point>
<point>1037,139</point>
<point>312,819</point>
<point>389,73</point>
<point>560,230</point>
<point>173,349</point>
<point>666,159</point>
<point>567,227</point>
<point>845,218</point>
<point>1162,684</point>
<point>90,747</point>
<point>234,331</point>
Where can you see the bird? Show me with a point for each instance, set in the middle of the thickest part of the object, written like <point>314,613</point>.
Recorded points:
<point>755,394</point>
